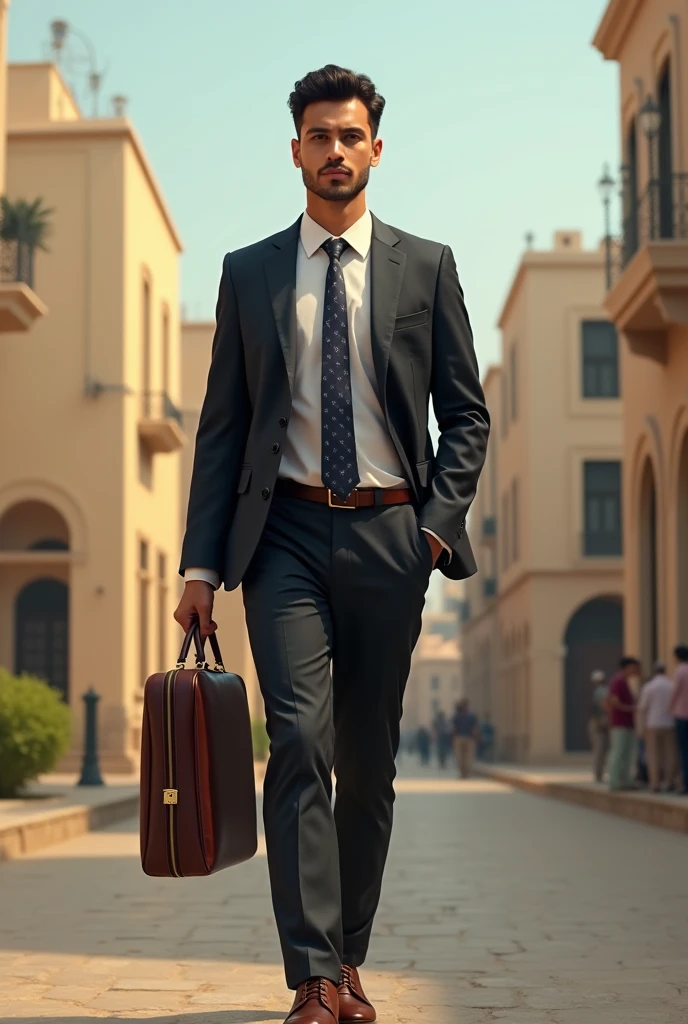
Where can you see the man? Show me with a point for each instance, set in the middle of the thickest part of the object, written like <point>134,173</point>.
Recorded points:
<point>621,703</point>
<point>679,708</point>
<point>656,725</point>
<point>465,733</point>
<point>315,485</point>
<point>486,740</point>
<point>598,725</point>
<point>442,733</point>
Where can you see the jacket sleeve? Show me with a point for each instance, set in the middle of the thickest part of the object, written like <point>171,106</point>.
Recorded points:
<point>459,405</point>
<point>220,441</point>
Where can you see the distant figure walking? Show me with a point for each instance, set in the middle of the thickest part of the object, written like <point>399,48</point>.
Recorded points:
<point>465,734</point>
<point>442,738</point>
<point>621,704</point>
<point>656,725</point>
<point>423,744</point>
<point>598,725</point>
<point>679,708</point>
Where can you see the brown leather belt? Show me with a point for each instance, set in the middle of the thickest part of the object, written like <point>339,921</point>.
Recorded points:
<point>363,498</point>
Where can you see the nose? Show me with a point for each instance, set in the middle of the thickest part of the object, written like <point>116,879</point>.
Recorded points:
<point>336,150</point>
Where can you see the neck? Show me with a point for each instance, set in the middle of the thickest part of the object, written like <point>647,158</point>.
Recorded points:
<point>335,217</point>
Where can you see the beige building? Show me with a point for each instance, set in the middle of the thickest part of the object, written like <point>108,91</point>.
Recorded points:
<point>228,609</point>
<point>435,681</point>
<point>649,303</point>
<point>89,413</point>
<point>547,608</point>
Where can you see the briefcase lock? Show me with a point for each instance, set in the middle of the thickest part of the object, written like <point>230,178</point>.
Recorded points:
<point>169,796</point>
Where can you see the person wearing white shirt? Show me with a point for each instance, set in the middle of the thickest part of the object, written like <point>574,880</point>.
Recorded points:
<point>656,724</point>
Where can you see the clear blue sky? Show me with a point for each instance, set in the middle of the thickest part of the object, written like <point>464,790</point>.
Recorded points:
<point>499,117</point>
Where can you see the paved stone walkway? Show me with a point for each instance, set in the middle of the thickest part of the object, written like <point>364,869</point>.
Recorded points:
<point>498,907</point>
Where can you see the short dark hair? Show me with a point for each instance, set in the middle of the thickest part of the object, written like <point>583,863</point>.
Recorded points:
<point>681,652</point>
<point>335,83</point>
<point>628,661</point>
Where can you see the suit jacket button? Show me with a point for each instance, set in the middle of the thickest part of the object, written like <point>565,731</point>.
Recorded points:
<point>282,421</point>
<point>265,493</point>
<point>275,448</point>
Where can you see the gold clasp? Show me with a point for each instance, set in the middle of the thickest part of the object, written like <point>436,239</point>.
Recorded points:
<point>169,796</point>
<point>334,502</point>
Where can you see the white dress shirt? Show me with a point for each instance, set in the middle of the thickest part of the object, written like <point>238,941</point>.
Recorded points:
<point>378,462</point>
<point>655,703</point>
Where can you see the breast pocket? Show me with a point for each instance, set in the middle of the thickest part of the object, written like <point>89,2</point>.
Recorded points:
<point>244,479</point>
<point>404,323</point>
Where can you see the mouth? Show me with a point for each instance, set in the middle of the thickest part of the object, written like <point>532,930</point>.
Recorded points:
<point>335,172</point>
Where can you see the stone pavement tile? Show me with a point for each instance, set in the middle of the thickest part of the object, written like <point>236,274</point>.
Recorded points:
<point>123,1001</point>
<point>154,985</point>
<point>72,993</point>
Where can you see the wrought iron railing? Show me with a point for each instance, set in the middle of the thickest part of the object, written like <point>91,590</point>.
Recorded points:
<point>660,212</point>
<point>16,262</point>
<point>489,587</point>
<point>157,405</point>
<point>489,527</point>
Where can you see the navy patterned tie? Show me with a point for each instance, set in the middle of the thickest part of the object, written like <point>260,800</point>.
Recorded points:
<point>339,466</point>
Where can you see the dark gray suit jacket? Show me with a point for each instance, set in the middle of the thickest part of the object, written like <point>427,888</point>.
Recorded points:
<point>422,347</point>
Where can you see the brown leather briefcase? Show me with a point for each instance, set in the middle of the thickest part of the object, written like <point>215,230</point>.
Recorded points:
<point>198,801</point>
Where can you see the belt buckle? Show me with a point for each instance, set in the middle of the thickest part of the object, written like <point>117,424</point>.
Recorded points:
<point>334,502</point>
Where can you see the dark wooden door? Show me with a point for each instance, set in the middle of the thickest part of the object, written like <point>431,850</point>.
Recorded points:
<point>42,632</point>
<point>594,640</point>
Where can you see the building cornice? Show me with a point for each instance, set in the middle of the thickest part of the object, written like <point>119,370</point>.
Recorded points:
<point>111,128</point>
<point>548,260</point>
<point>614,27</point>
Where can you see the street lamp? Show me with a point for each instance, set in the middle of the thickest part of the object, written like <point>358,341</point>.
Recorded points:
<point>60,30</point>
<point>606,186</point>
<point>650,118</point>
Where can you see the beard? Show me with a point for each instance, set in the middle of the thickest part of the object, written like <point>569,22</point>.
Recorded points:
<point>335,191</point>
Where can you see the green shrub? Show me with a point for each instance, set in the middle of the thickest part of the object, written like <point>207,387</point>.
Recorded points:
<point>261,743</point>
<point>35,730</point>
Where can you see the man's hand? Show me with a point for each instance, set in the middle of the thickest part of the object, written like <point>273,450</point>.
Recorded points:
<point>435,547</point>
<point>196,603</point>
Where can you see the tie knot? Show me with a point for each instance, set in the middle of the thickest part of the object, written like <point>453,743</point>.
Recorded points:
<point>334,247</point>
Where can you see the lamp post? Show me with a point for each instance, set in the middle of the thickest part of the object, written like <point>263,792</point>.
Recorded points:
<point>60,30</point>
<point>605,187</point>
<point>650,119</point>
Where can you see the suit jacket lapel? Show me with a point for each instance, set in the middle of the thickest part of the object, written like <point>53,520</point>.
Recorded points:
<point>280,270</point>
<point>387,273</point>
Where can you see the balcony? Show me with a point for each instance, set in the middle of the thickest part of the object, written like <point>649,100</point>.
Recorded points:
<point>489,588</point>
<point>649,292</point>
<point>20,307</point>
<point>489,534</point>
<point>160,426</point>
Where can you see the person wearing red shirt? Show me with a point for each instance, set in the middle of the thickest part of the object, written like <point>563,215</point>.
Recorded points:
<point>621,703</point>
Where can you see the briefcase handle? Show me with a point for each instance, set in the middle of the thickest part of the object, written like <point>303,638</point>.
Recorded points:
<point>194,634</point>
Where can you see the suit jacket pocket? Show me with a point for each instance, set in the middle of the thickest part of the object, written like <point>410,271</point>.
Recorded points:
<point>244,479</point>
<point>423,470</point>
<point>402,323</point>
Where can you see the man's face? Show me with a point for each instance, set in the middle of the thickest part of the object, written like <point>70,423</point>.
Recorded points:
<point>336,149</point>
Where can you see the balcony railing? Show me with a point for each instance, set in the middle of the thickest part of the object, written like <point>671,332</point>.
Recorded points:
<point>489,529</point>
<point>658,213</point>
<point>16,262</point>
<point>489,587</point>
<point>465,613</point>
<point>157,405</point>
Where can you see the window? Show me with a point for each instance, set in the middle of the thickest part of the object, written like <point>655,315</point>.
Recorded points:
<point>513,376</point>
<point>162,612</point>
<point>505,532</point>
<point>434,682</point>
<point>602,487</point>
<point>515,525</point>
<point>505,403</point>
<point>144,616</point>
<point>600,359</point>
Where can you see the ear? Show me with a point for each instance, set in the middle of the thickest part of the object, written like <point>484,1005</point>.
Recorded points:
<point>377,153</point>
<point>296,152</point>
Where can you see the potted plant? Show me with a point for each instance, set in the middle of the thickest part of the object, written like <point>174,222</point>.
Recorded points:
<point>26,226</point>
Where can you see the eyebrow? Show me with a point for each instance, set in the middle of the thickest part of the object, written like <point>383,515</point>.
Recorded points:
<point>321,130</point>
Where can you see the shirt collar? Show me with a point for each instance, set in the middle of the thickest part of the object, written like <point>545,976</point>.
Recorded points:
<point>358,236</point>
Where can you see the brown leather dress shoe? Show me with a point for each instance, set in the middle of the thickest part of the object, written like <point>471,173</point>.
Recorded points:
<point>354,1005</point>
<point>316,1002</point>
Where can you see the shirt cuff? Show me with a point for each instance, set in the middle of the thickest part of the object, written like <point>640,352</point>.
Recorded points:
<point>205,575</point>
<point>438,539</point>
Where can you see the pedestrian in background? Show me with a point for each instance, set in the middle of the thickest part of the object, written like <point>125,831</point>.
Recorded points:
<point>442,733</point>
<point>598,725</point>
<point>465,735</point>
<point>621,705</point>
<point>679,708</point>
<point>423,744</point>
<point>656,724</point>
<point>486,739</point>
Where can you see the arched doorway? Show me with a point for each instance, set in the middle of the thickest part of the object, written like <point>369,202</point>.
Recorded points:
<point>593,640</point>
<point>42,632</point>
<point>649,631</point>
<point>682,542</point>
